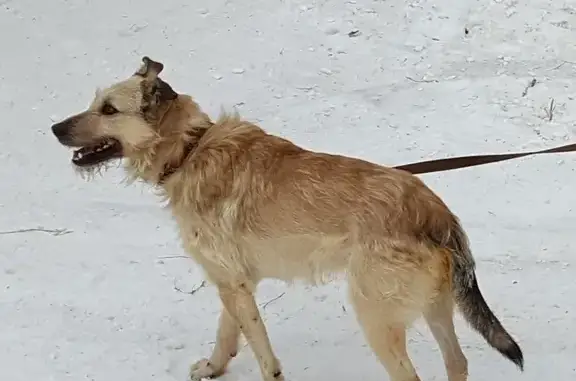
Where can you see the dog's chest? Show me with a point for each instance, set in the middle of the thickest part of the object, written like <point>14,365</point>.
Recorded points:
<point>208,240</point>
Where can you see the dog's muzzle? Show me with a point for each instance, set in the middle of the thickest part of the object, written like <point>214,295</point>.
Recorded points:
<point>60,130</point>
<point>63,130</point>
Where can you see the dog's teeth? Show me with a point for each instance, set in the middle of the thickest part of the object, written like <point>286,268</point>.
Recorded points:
<point>103,146</point>
<point>90,150</point>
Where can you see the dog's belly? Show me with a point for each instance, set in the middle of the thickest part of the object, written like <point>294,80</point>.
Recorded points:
<point>284,256</point>
<point>308,258</point>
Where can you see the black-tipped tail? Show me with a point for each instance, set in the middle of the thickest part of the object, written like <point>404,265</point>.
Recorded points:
<point>471,302</point>
<point>477,313</point>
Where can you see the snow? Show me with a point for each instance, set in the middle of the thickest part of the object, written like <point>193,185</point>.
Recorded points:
<point>390,81</point>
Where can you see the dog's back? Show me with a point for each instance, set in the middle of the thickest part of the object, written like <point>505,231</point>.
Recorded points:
<point>269,193</point>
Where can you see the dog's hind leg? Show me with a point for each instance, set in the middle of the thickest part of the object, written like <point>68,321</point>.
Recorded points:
<point>381,294</point>
<point>226,348</point>
<point>386,337</point>
<point>440,319</point>
<point>239,300</point>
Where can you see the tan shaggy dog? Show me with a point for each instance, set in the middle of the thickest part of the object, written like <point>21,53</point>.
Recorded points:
<point>251,205</point>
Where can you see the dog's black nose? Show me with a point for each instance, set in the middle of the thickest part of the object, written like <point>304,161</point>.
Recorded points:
<point>60,130</point>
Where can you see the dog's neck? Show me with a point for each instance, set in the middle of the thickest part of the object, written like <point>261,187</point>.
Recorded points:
<point>181,125</point>
<point>170,168</point>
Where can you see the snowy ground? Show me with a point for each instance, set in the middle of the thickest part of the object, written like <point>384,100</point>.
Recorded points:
<point>101,302</point>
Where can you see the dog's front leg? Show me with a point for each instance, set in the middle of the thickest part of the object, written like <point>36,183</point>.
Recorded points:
<point>225,349</point>
<point>239,300</point>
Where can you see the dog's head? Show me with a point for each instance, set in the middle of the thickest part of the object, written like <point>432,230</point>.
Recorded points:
<point>120,120</point>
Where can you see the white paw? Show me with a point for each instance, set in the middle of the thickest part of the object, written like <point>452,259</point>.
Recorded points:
<point>202,369</point>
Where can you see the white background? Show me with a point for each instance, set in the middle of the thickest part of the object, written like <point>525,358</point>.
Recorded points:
<point>100,303</point>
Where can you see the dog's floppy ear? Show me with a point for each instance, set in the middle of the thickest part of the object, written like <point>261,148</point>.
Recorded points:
<point>150,68</point>
<point>164,91</point>
<point>155,90</point>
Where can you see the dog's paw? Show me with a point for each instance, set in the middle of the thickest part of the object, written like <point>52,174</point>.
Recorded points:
<point>277,376</point>
<point>203,369</point>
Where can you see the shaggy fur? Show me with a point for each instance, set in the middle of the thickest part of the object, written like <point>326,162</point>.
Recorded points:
<point>251,205</point>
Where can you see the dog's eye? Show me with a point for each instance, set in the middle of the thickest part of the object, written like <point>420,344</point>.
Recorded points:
<point>108,109</point>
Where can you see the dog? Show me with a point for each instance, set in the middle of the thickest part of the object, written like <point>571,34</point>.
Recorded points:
<point>251,205</point>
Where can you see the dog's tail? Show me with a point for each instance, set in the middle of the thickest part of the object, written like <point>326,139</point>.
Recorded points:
<point>470,301</point>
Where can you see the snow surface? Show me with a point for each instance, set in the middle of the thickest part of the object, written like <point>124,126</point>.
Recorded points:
<point>102,302</point>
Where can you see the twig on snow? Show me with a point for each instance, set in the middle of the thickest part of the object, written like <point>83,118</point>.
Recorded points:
<point>174,256</point>
<point>561,64</point>
<point>550,110</point>
<point>54,232</point>
<point>532,83</point>
<point>264,305</point>
<point>191,292</point>
<point>422,80</point>
<point>306,88</point>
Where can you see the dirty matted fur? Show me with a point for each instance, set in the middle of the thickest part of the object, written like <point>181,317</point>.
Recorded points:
<point>251,205</point>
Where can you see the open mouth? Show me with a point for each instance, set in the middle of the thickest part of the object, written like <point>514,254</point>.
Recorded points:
<point>105,150</point>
